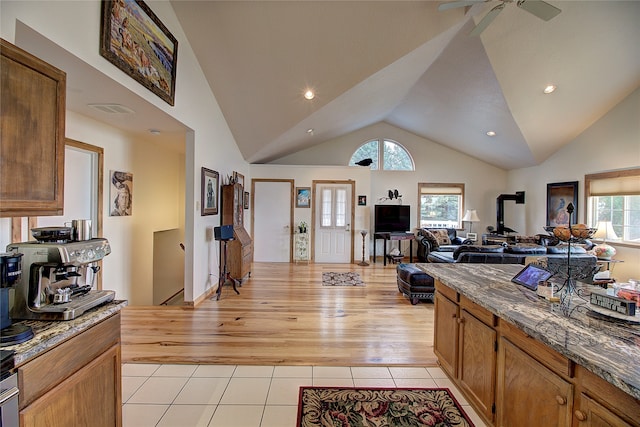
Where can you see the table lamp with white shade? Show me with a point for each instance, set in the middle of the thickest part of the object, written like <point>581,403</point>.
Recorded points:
<point>471,216</point>
<point>605,232</point>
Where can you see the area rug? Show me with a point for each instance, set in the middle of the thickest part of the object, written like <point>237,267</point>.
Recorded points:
<point>377,407</point>
<point>341,279</point>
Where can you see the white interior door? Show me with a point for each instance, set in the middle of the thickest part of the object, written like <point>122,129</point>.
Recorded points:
<point>333,223</point>
<point>271,221</point>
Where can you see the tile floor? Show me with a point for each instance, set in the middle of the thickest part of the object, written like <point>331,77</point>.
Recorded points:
<point>249,396</point>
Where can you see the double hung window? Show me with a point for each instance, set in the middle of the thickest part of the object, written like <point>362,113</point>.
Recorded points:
<point>440,204</point>
<point>615,197</point>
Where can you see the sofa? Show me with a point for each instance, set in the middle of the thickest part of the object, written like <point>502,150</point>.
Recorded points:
<point>504,254</point>
<point>437,239</point>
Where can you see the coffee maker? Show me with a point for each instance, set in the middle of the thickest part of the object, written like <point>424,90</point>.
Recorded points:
<point>10,271</point>
<point>58,278</point>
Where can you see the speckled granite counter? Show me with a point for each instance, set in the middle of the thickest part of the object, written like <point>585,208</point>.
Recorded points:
<point>604,346</point>
<point>47,334</point>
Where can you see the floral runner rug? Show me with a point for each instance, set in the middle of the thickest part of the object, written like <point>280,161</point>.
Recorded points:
<point>372,407</point>
<point>341,279</point>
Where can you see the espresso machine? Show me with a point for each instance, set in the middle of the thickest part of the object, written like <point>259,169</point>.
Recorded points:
<point>58,278</point>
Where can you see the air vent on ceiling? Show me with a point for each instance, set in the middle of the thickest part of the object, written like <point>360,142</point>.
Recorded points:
<point>112,108</point>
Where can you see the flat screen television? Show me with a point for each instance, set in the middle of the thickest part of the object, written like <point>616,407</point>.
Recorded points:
<point>392,218</point>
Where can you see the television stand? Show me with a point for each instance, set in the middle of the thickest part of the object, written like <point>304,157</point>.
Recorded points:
<point>392,236</point>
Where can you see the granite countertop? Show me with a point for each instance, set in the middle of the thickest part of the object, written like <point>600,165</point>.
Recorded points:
<point>608,347</point>
<point>48,334</point>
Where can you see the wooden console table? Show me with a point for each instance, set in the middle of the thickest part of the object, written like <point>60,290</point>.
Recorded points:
<point>392,236</point>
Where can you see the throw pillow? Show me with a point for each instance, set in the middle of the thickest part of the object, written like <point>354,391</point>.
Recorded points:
<point>442,236</point>
<point>433,242</point>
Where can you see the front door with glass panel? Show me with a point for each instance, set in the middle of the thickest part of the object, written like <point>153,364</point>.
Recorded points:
<point>333,223</point>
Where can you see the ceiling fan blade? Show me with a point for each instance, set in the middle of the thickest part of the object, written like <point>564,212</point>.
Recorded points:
<point>539,8</point>
<point>488,19</point>
<point>455,4</point>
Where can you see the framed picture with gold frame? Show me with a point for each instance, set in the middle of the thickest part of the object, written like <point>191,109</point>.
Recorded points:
<point>134,39</point>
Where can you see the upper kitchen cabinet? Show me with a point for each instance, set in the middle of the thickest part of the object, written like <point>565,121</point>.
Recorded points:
<point>32,131</point>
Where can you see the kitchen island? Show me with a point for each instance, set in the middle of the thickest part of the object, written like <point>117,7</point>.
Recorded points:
<point>521,360</point>
<point>69,373</point>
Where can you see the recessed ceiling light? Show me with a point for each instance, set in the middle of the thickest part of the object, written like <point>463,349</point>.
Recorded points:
<point>154,131</point>
<point>549,89</point>
<point>491,133</point>
<point>310,131</point>
<point>309,94</point>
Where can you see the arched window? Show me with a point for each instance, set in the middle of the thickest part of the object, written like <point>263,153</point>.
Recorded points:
<point>390,154</point>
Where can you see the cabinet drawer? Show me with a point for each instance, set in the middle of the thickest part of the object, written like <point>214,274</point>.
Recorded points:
<point>480,313</point>
<point>43,373</point>
<point>446,291</point>
<point>543,354</point>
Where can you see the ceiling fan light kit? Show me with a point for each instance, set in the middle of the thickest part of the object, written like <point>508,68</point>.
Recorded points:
<point>539,8</point>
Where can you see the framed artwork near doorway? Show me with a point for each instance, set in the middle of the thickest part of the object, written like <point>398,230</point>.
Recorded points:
<point>121,193</point>
<point>209,196</point>
<point>303,197</point>
<point>559,195</point>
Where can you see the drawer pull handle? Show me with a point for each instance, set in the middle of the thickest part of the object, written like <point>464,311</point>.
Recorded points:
<point>561,400</point>
<point>581,416</point>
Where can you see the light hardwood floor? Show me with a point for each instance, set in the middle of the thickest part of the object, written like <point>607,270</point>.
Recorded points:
<point>285,316</point>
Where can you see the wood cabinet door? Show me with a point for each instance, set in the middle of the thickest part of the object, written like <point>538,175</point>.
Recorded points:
<point>32,101</point>
<point>528,393</point>
<point>477,362</point>
<point>90,397</point>
<point>445,340</point>
<point>593,414</point>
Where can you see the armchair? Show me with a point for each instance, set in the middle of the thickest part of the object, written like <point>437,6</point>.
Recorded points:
<point>437,239</point>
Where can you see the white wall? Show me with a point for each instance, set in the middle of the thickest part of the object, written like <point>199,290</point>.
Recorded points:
<point>433,163</point>
<point>611,143</point>
<point>75,26</point>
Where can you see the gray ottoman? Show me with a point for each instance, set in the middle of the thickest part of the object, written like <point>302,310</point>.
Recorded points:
<point>414,283</point>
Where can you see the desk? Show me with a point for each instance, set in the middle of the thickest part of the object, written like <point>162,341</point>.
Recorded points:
<point>392,236</point>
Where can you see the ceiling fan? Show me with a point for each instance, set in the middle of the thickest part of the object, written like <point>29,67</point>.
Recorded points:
<point>539,8</point>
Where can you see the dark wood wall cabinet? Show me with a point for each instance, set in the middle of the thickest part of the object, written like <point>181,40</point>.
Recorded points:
<point>512,379</point>
<point>32,132</point>
<point>240,249</point>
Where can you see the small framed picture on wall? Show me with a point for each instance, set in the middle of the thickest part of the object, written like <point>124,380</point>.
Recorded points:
<point>303,197</point>
<point>121,193</point>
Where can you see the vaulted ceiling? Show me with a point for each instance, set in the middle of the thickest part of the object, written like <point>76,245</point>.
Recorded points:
<point>406,63</point>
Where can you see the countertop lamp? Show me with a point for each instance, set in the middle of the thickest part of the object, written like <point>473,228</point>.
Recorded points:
<point>471,216</point>
<point>605,232</point>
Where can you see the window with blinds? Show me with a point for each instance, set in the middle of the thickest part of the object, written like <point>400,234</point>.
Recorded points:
<point>615,197</point>
<point>440,204</point>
